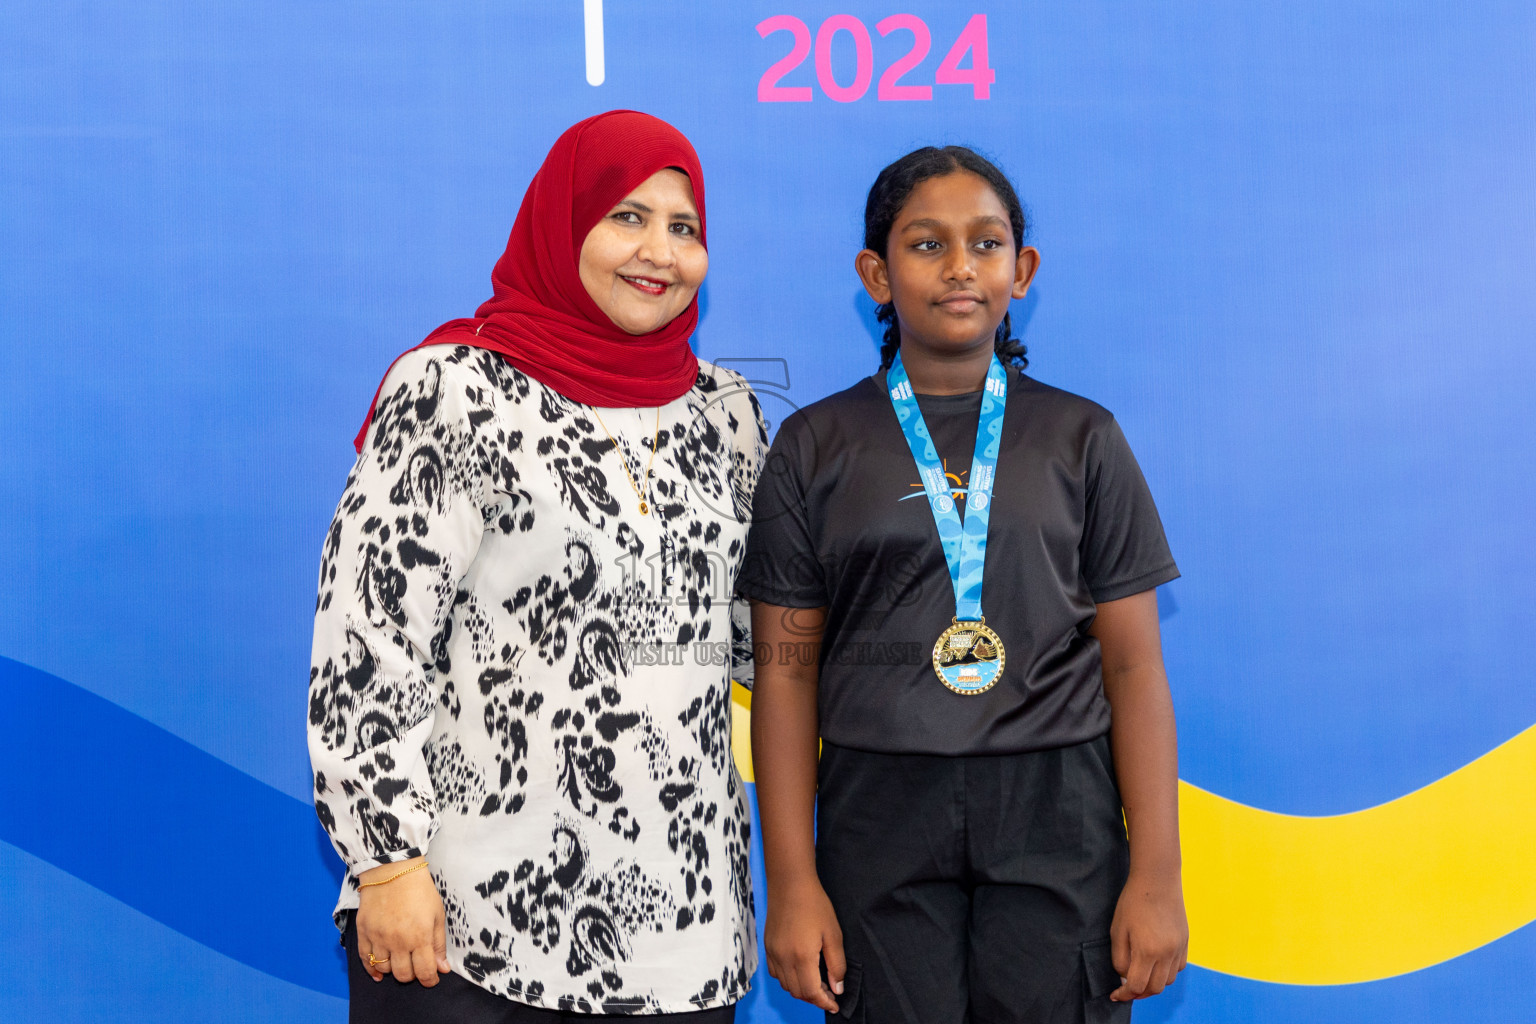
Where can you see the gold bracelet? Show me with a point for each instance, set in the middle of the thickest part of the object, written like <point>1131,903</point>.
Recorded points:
<point>391,878</point>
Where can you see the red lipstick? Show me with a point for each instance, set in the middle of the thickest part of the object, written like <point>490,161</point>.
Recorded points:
<point>649,286</point>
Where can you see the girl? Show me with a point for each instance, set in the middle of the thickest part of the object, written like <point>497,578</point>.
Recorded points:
<point>524,765</point>
<point>952,571</point>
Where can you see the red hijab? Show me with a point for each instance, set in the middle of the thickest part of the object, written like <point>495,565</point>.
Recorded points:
<point>539,315</point>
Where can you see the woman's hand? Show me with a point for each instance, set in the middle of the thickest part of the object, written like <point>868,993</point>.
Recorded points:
<point>1149,938</point>
<point>801,932</point>
<point>401,925</point>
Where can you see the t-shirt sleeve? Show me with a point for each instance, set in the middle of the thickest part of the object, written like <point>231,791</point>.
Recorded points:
<point>1124,550</point>
<point>781,566</point>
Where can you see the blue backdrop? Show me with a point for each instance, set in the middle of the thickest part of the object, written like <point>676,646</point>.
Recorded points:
<point>1286,243</point>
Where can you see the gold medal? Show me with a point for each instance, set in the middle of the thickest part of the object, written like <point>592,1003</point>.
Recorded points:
<point>968,657</point>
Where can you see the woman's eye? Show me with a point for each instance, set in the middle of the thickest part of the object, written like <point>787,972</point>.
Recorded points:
<point>681,228</point>
<point>627,217</point>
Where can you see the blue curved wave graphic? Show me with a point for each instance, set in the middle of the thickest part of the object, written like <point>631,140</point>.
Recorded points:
<point>228,861</point>
<point>168,829</point>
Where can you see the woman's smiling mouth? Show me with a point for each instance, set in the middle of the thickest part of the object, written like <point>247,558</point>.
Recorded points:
<point>648,285</point>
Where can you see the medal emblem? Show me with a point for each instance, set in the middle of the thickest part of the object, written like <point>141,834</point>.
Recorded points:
<point>968,657</point>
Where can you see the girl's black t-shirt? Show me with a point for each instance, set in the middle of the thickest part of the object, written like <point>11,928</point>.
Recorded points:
<point>840,521</point>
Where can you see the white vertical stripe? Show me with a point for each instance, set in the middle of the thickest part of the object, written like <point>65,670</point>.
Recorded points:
<point>596,70</point>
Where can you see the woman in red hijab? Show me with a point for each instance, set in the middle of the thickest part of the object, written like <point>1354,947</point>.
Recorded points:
<point>519,713</point>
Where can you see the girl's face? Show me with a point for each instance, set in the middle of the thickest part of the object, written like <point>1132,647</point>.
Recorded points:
<point>643,262</point>
<point>952,265</point>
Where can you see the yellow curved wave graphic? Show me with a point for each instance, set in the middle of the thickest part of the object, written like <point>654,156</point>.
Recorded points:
<point>1350,897</point>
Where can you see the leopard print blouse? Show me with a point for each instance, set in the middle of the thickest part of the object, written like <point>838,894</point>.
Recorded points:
<point>520,675</point>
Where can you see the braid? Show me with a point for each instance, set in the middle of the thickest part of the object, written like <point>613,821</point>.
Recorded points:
<point>886,314</point>
<point>1008,348</point>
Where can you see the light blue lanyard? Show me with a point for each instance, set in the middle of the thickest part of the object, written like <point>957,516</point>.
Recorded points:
<point>965,547</point>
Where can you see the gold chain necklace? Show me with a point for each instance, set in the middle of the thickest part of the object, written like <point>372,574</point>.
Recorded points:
<point>645,509</point>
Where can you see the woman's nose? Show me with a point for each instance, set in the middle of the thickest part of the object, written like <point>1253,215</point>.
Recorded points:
<point>656,247</point>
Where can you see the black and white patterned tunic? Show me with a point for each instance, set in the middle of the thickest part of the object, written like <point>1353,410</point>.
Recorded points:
<point>518,674</point>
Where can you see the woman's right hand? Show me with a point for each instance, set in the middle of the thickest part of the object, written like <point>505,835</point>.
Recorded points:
<point>801,932</point>
<point>402,922</point>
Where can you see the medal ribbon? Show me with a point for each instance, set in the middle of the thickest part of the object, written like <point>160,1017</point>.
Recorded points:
<point>965,546</point>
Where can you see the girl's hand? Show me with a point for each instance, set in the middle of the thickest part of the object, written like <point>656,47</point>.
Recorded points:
<point>1149,938</point>
<point>401,925</point>
<point>801,933</point>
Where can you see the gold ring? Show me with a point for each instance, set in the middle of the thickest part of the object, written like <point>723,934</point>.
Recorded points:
<point>374,963</point>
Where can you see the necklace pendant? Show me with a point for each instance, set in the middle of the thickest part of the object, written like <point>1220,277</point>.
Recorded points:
<point>645,509</point>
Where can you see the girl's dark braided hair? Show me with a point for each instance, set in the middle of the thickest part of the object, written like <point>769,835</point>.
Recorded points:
<point>889,194</point>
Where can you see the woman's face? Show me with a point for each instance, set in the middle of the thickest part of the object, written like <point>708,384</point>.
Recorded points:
<point>643,262</point>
